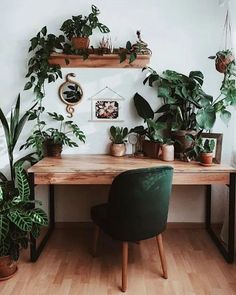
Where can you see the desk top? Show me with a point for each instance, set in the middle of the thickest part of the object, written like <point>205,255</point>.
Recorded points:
<point>101,169</point>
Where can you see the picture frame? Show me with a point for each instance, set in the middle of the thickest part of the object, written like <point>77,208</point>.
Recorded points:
<point>218,137</point>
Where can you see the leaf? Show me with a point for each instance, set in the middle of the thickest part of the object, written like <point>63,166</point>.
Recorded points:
<point>20,219</point>
<point>128,45</point>
<point>22,183</point>
<point>225,116</point>
<point>143,108</point>
<point>132,57</point>
<point>212,57</point>
<point>5,127</point>
<point>4,227</point>
<point>3,177</point>
<point>164,108</point>
<point>38,216</point>
<point>44,31</point>
<point>103,28</point>
<point>122,56</point>
<point>206,118</point>
<point>4,248</point>
<point>28,85</point>
<point>35,231</point>
<point>197,75</point>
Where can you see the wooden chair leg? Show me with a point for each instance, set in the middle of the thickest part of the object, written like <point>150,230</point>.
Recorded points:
<point>124,265</point>
<point>95,240</point>
<point>162,255</point>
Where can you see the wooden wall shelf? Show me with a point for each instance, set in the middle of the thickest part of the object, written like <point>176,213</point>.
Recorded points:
<point>97,61</point>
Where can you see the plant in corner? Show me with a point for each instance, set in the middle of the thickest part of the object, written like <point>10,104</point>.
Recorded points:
<point>79,28</point>
<point>118,138</point>
<point>51,140</point>
<point>18,219</point>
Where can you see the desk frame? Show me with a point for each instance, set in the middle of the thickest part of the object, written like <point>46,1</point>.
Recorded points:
<point>227,177</point>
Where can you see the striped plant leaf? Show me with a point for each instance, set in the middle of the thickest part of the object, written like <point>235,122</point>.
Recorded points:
<point>22,183</point>
<point>4,227</point>
<point>38,216</point>
<point>1,194</point>
<point>35,231</point>
<point>20,219</point>
<point>4,248</point>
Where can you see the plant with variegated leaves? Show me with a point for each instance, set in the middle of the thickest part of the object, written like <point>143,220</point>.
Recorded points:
<point>18,215</point>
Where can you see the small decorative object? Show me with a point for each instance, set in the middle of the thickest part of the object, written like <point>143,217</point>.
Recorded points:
<point>206,153</point>
<point>49,142</point>
<point>218,139</point>
<point>118,139</point>
<point>107,108</point>
<point>70,93</point>
<point>167,150</point>
<point>79,28</point>
<point>133,139</point>
<point>105,45</point>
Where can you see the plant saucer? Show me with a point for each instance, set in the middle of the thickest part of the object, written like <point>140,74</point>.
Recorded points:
<point>206,165</point>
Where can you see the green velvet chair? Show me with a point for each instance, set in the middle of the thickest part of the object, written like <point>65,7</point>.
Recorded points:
<point>137,209</point>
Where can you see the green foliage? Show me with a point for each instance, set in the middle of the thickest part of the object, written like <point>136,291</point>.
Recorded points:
<point>39,69</point>
<point>18,217</point>
<point>185,105</point>
<point>83,26</point>
<point>60,135</point>
<point>143,108</point>
<point>118,134</point>
<point>199,145</point>
<point>12,130</point>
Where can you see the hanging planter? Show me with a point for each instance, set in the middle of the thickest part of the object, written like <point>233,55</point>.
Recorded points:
<point>224,59</point>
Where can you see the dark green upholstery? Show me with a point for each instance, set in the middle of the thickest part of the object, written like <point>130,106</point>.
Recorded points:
<point>138,204</point>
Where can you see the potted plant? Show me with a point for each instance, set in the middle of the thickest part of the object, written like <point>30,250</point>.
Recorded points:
<point>18,219</point>
<point>79,28</point>
<point>117,137</point>
<point>50,141</point>
<point>202,149</point>
<point>224,60</point>
<point>167,150</point>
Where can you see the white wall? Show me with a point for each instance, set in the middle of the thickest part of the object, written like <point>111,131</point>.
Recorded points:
<point>181,34</point>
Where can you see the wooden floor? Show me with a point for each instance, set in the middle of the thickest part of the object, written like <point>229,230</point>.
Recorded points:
<point>67,268</point>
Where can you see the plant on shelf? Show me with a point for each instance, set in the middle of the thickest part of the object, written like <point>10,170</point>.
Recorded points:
<point>18,219</point>
<point>39,68</point>
<point>118,138</point>
<point>224,61</point>
<point>79,28</point>
<point>51,140</point>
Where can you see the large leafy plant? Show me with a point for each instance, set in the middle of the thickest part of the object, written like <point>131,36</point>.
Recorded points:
<point>185,106</point>
<point>12,130</point>
<point>83,26</point>
<point>61,135</point>
<point>18,217</point>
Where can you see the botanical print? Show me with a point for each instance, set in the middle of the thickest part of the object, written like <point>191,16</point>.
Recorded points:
<point>105,109</point>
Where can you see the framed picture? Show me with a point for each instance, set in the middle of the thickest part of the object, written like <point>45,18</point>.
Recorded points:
<point>218,138</point>
<point>108,107</point>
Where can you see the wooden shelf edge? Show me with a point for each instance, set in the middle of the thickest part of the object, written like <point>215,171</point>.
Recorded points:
<point>97,61</point>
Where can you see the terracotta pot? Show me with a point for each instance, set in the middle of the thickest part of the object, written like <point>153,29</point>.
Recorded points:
<point>167,152</point>
<point>222,62</point>
<point>206,158</point>
<point>151,149</point>
<point>117,149</point>
<point>8,267</point>
<point>181,142</point>
<point>52,149</point>
<point>80,42</point>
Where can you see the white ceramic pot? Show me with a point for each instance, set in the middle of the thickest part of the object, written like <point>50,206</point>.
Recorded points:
<point>167,152</point>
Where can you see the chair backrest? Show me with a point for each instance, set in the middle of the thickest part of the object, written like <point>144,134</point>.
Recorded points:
<point>138,203</point>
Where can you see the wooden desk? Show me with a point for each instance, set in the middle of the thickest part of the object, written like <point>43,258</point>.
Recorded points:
<point>101,169</point>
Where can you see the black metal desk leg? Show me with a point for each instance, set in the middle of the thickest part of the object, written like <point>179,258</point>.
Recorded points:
<point>34,250</point>
<point>228,253</point>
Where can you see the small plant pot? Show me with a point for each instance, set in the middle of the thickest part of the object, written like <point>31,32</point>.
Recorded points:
<point>80,42</point>
<point>8,267</point>
<point>167,152</point>
<point>206,158</point>
<point>118,149</point>
<point>222,62</point>
<point>151,149</point>
<point>52,149</point>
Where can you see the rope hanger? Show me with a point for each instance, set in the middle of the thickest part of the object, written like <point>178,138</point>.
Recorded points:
<point>106,87</point>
